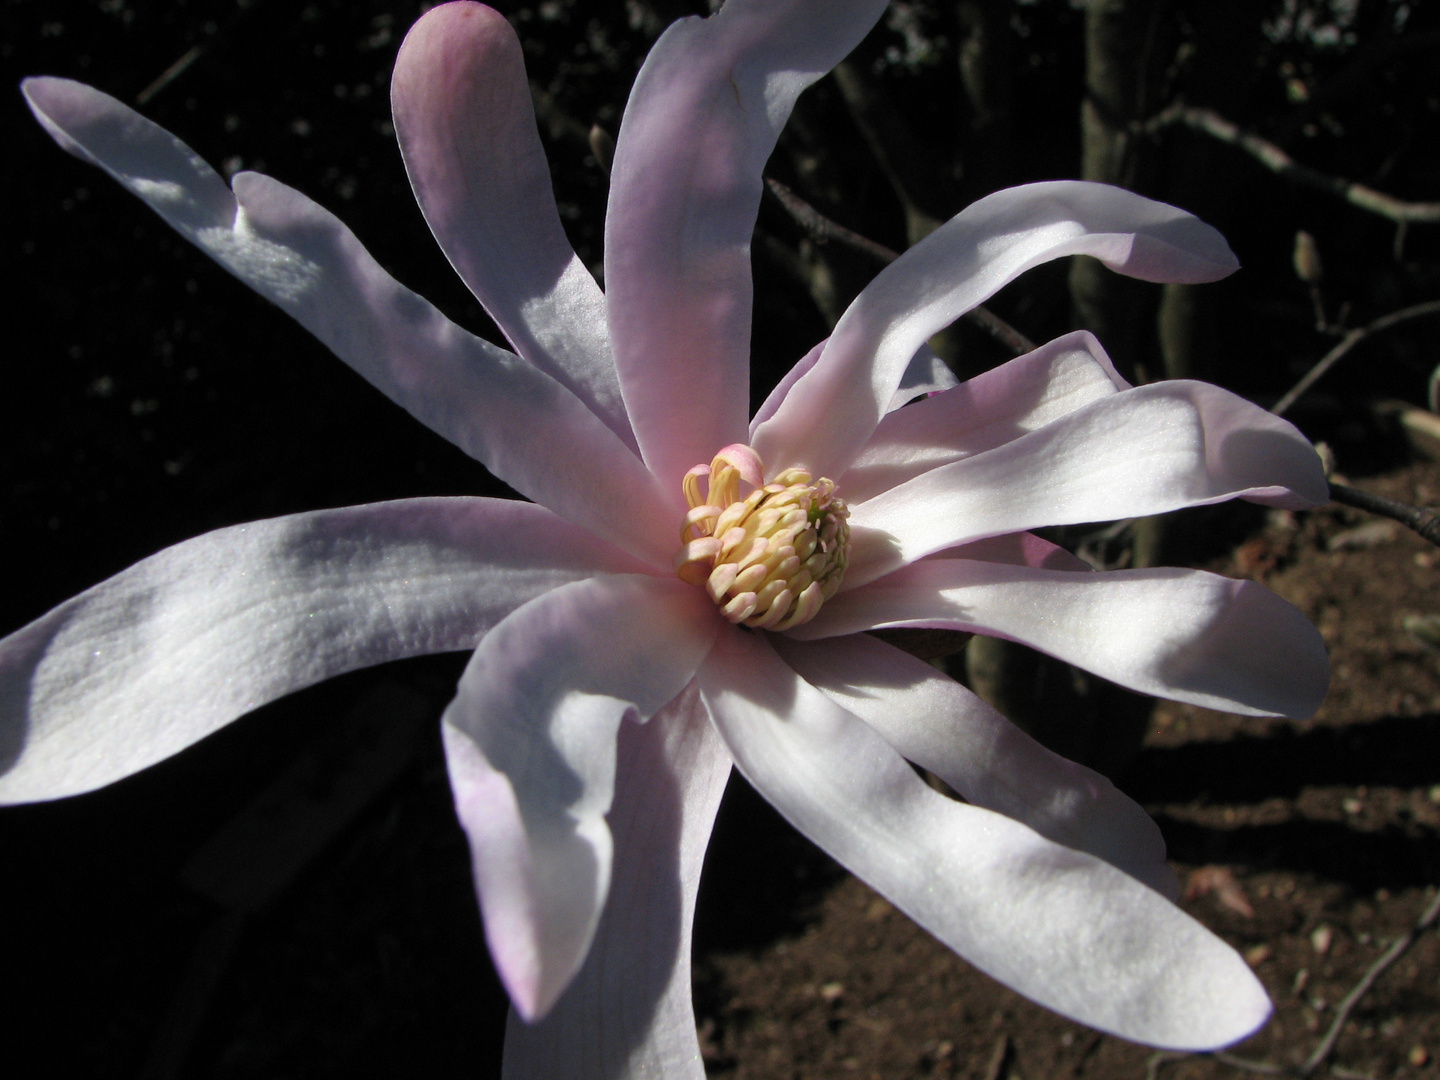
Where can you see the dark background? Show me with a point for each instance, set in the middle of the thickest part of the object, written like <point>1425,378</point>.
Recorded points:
<point>148,398</point>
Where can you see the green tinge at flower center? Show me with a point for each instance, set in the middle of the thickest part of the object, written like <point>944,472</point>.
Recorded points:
<point>768,560</point>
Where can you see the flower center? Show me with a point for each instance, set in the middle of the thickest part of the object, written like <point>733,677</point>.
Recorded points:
<point>768,560</point>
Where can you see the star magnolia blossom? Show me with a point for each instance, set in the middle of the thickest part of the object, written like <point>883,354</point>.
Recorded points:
<point>622,657</point>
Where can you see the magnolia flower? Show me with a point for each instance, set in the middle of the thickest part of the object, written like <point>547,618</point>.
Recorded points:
<point>687,587</point>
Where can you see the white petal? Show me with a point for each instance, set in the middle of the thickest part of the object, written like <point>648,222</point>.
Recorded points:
<point>988,244</point>
<point>1181,634</point>
<point>782,388</point>
<point>1017,549</point>
<point>702,118</point>
<point>1062,928</point>
<point>466,128</point>
<point>524,426</point>
<point>530,742</point>
<point>159,656</point>
<point>628,1015</point>
<point>1145,451</point>
<point>982,413</point>
<point>925,374</point>
<point>935,722</point>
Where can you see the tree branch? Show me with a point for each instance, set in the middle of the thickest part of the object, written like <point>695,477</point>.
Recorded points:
<point>243,10</point>
<point>1423,522</point>
<point>1278,161</point>
<point>1397,949</point>
<point>824,230</point>
<point>1348,342</point>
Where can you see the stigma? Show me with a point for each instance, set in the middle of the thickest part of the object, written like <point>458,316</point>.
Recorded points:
<point>771,558</point>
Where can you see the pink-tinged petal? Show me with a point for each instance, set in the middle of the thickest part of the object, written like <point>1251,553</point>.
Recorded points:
<point>530,741</point>
<point>628,1012</point>
<point>1017,549</point>
<point>1181,634</point>
<point>987,411</point>
<point>523,425</point>
<point>702,118</point>
<point>180,644</point>
<point>1145,451</point>
<point>925,374</point>
<point>1063,928</point>
<point>935,722</point>
<point>467,132</point>
<point>775,397</point>
<point>835,409</point>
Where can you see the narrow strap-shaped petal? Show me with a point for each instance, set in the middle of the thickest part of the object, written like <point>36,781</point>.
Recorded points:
<point>467,132</point>
<point>982,413</point>
<point>180,644</point>
<point>1145,451</point>
<point>925,374</point>
<point>530,742</point>
<point>1063,928</point>
<point>782,388</point>
<point>1017,549</point>
<point>702,118</point>
<point>523,425</point>
<point>1181,634</point>
<point>628,1015</point>
<point>829,418</point>
<point>935,722</point>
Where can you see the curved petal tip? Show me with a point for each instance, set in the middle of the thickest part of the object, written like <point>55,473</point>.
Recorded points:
<point>1227,1008</point>
<point>46,95</point>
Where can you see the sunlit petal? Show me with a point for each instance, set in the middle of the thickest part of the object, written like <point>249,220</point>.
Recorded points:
<point>467,133</point>
<point>523,425</point>
<point>1148,450</point>
<point>530,742</point>
<point>984,412</point>
<point>940,725</point>
<point>181,643</point>
<point>1065,929</point>
<point>1182,634</point>
<point>635,983</point>
<point>702,118</point>
<point>959,265</point>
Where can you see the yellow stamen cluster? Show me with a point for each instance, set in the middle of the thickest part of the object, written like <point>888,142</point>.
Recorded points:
<point>768,560</point>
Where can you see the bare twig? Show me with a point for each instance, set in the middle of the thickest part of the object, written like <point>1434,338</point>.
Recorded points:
<point>1348,342</point>
<point>1397,949</point>
<point>1278,161</point>
<point>893,145</point>
<point>187,59</point>
<point>999,1058</point>
<point>824,230</point>
<point>1265,1068</point>
<point>1412,517</point>
<point>170,74</point>
<point>1163,1057</point>
<point>1324,364</point>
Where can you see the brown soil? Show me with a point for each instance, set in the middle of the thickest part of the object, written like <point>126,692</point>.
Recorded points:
<point>1309,845</point>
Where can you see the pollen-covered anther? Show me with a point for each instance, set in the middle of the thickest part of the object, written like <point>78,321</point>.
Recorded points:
<point>770,559</point>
